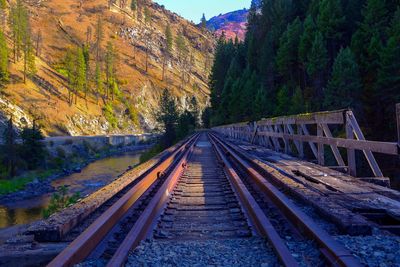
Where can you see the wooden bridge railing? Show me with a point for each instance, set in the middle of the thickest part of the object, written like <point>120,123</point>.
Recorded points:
<point>290,134</point>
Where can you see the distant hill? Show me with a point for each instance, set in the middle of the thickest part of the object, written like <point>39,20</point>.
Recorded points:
<point>232,24</point>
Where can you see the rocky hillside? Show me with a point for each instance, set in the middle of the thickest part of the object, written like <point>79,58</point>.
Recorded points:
<point>63,24</point>
<point>231,24</point>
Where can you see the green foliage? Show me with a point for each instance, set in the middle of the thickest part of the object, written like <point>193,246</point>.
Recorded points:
<point>318,57</point>
<point>203,22</point>
<point>108,111</point>
<point>59,201</point>
<point>169,38</point>
<point>168,117</point>
<point>133,5</point>
<point>33,150</point>
<point>3,4</point>
<point>330,19</point>
<point>344,87</point>
<point>3,59</point>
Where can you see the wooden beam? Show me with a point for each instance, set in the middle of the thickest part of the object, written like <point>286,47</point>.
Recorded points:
<point>321,151</point>
<point>301,144</point>
<point>374,146</point>
<point>334,117</point>
<point>351,155</point>
<point>368,154</point>
<point>312,145</point>
<point>335,149</point>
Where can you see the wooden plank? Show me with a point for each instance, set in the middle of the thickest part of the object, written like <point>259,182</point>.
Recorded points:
<point>285,140</point>
<point>335,150</point>
<point>334,117</point>
<point>374,146</point>
<point>312,145</point>
<point>296,143</point>
<point>368,154</point>
<point>321,151</point>
<point>351,155</point>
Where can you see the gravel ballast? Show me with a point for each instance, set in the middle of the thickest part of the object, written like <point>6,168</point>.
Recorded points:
<point>226,252</point>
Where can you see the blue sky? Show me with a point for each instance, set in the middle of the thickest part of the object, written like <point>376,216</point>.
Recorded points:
<point>194,9</point>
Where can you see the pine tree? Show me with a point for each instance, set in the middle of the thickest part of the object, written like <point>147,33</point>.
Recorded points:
<point>134,6</point>
<point>69,65</point>
<point>282,100</point>
<point>10,147</point>
<point>86,56</point>
<point>19,25</point>
<point>147,15</point>
<point>287,54</point>
<point>297,105</point>
<point>203,22</point>
<point>261,104</point>
<point>168,116</point>
<point>344,88</point>
<point>307,38</point>
<point>3,59</point>
<point>110,70</point>
<point>99,37</point>
<point>330,22</point>
<point>33,149</point>
<point>167,47</point>
<point>80,73</point>
<point>99,81</point>
<point>388,82</point>
<point>316,67</point>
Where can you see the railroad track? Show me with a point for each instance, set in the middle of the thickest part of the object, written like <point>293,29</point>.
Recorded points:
<point>204,190</point>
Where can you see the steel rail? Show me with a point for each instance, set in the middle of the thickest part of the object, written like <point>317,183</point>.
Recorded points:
<point>82,246</point>
<point>333,251</point>
<point>253,211</point>
<point>153,210</point>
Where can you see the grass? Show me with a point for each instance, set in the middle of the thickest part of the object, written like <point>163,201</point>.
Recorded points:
<point>155,150</point>
<point>19,183</point>
<point>59,201</point>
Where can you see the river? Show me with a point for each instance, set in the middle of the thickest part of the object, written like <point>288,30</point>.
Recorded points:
<point>92,177</point>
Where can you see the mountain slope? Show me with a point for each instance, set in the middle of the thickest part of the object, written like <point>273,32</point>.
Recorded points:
<point>65,24</point>
<point>231,24</point>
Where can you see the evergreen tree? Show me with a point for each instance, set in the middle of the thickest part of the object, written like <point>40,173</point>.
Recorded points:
<point>99,37</point>
<point>69,65</point>
<point>297,105</point>
<point>10,148</point>
<point>3,59</point>
<point>287,54</point>
<point>344,88</point>
<point>203,22</point>
<point>147,15</point>
<point>261,104</point>
<point>330,22</point>
<point>316,67</point>
<point>80,73</point>
<point>388,82</point>
<point>167,49</point>
<point>110,70</point>
<point>307,38</point>
<point>86,56</point>
<point>134,6</point>
<point>29,55</point>
<point>282,100</point>
<point>168,116</point>
<point>33,149</point>
<point>99,81</point>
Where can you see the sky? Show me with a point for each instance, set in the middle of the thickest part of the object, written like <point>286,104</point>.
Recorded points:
<point>194,9</point>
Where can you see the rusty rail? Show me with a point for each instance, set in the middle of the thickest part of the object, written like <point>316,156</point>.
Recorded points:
<point>258,219</point>
<point>146,221</point>
<point>331,249</point>
<point>81,247</point>
<point>289,134</point>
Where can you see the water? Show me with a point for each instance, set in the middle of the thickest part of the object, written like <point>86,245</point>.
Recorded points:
<point>92,177</point>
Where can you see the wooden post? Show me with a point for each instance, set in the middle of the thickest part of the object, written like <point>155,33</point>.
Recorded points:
<point>285,140</point>
<point>301,144</point>
<point>351,154</point>
<point>398,122</point>
<point>321,152</point>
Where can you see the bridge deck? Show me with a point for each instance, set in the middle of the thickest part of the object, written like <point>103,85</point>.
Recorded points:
<point>346,200</point>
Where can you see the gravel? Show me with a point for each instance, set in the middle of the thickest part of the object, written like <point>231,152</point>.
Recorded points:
<point>378,250</point>
<point>224,252</point>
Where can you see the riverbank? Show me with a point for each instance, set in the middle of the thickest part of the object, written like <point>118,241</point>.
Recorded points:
<point>40,183</point>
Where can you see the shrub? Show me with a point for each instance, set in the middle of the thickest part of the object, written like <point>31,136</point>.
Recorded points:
<point>59,201</point>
